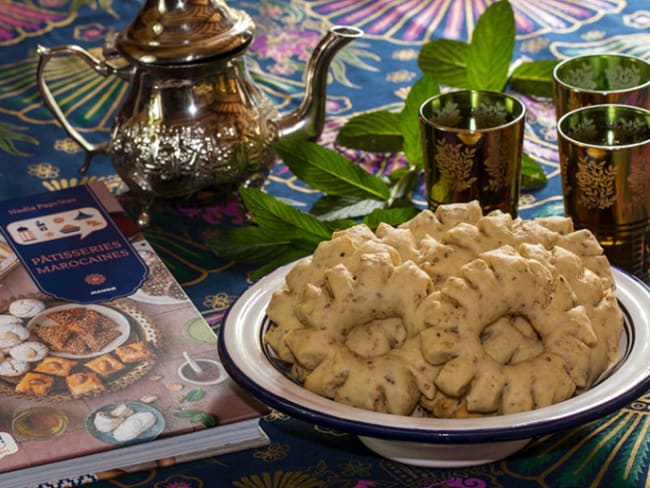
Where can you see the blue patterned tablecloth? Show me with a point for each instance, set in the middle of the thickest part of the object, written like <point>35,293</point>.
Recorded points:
<point>374,72</point>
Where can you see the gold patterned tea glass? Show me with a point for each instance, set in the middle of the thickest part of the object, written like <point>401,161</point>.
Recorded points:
<point>596,79</point>
<point>605,166</point>
<point>472,142</point>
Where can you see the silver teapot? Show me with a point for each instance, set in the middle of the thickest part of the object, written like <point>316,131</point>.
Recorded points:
<point>193,118</point>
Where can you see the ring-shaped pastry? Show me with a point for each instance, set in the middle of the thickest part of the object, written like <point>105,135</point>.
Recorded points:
<point>502,283</point>
<point>371,320</point>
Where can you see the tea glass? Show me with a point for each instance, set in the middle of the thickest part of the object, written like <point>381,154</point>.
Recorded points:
<point>596,79</point>
<point>472,144</point>
<point>605,167</point>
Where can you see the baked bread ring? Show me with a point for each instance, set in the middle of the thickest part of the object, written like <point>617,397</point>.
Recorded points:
<point>451,314</point>
<point>502,283</point>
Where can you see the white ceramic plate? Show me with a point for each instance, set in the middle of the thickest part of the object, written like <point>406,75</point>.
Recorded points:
<point>122,326</point>
<point>427,441</point>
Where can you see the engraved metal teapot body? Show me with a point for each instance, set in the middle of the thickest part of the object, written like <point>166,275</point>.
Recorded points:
<point>193,118</point>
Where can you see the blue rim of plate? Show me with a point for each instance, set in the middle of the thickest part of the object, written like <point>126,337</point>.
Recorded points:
<point>249,363</point>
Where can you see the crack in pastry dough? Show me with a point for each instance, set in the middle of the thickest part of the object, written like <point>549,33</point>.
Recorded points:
<point>451,314</point>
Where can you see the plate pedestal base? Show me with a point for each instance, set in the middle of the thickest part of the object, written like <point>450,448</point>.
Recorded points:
<point>443,455</point>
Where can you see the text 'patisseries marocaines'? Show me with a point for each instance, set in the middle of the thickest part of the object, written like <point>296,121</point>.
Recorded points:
<point>75,258</point>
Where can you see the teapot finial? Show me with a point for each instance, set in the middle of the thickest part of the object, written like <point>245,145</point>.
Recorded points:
<point>181,31</point>
<point>308,120</point>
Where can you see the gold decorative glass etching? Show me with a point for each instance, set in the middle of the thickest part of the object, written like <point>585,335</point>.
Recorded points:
<point>596,79</point>
<point>472,143</point>
<point>605,168</point>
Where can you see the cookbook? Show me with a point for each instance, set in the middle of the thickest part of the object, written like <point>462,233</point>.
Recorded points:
<point>105,363</point>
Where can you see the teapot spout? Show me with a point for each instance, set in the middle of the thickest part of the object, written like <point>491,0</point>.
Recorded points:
<point>307,121</point>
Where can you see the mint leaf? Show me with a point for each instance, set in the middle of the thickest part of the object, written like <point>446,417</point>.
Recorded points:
<point>194,395</point>
<point>403,180</point>
<point>204,418</point>
<point>532,174</point>
<point>391,216</point>
<point>409,121</point>
<point>534,78</point>
<point>250,243</point>
<point>446,61</point>
<point>490,50</point>
<point>187,413</point>
<point>373,131</point>
<point>289,256</point>
<point>330,207</point>
<point>329,172</point>
<point>269,212</point>
<point>282,234</point>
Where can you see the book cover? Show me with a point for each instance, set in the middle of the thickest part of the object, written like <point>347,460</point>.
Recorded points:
<point>104,360</point>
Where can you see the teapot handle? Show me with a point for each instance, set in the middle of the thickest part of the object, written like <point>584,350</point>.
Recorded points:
<point>100,66</point>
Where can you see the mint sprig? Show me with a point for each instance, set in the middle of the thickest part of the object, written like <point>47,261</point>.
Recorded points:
<point>279,234</point>
<point>484,62</point>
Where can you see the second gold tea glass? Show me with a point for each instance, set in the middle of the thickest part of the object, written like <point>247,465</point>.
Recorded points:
<point>595,79</point>
<point>605,166</point>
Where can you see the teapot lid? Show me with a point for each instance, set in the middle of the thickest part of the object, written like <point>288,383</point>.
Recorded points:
<point>166,32</point>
